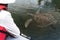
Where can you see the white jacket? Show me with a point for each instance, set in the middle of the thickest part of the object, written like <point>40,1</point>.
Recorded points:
<point>7,21</point>
<point>7,1</point>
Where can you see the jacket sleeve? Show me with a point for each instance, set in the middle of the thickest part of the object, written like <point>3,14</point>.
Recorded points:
<point>7,21</point>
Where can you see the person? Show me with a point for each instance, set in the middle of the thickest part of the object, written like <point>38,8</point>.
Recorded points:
<point>8,28</point>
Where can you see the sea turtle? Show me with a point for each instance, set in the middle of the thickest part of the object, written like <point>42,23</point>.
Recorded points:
<point>41,19</point>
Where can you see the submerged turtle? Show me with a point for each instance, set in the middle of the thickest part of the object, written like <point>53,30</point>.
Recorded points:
<point>41,20</point>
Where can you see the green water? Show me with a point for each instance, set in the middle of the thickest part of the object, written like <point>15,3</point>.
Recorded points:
<point>33,31</point>
<point>36,33</point>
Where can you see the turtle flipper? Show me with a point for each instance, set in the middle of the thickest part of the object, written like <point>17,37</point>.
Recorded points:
<point>30,14</point>
<point>27,22</point>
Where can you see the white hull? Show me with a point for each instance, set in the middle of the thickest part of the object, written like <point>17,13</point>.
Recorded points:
<point>17,38</point>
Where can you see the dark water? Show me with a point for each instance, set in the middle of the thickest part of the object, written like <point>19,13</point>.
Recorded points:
<point>33,31</point>
<point>36,33</point>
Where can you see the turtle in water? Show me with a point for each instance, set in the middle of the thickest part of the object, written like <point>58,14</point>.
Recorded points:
<point>41,20</point>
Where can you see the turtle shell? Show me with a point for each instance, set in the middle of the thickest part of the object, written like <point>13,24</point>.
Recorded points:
<point>44,19</point>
